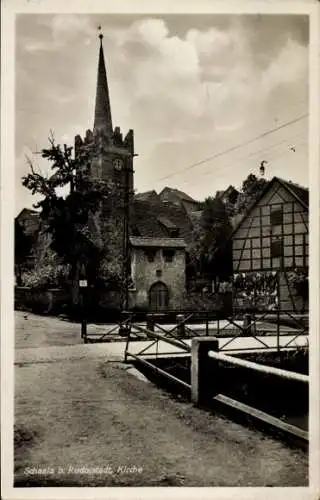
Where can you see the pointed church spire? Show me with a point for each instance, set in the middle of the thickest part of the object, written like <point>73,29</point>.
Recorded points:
<point>102,115</point>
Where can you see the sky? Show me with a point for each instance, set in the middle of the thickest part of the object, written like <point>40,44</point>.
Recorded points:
<point>209,96</point>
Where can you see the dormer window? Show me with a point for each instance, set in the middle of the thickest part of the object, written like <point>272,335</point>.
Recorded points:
<point>173,233</point>
<point>169,227</point>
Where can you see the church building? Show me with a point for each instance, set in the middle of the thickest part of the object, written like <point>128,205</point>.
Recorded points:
<point>146,237</point>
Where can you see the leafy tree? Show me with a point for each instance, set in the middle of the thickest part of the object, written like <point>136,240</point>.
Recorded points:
<point>210,238</point>
<point>67,220</point>
<point>251,189</point>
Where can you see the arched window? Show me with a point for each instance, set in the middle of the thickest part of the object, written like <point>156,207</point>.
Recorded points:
<point>158,297</point>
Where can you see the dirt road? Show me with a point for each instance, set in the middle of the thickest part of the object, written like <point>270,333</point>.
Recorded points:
<point>83,419</point>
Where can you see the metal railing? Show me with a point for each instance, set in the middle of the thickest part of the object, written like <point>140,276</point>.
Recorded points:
<point>188,324</point>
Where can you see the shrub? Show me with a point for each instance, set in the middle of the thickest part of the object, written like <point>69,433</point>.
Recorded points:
<point>256,290</point>
<point>47,275</point>
<point>202,302</point>
<point>299,280</point>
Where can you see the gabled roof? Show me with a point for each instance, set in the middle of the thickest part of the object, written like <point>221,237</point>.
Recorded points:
<point>301,194</point>
<point>28,212</point>
<point>152,194</point>
<point>177,194</point>
<point>230,189</point>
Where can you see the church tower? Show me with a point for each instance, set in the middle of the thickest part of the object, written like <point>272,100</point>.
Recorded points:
<point>111,155</point>
<point>108,162</point>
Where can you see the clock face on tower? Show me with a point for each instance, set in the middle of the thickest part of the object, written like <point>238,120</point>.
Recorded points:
<point>118,164</point>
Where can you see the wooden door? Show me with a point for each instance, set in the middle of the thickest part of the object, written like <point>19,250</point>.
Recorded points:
<point>158,297</point>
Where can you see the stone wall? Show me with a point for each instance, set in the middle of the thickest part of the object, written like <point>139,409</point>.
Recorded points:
<point>145,274</point>
<point>52,300</point>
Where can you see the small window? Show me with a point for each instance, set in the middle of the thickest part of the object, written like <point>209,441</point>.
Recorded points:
<point>276,217</point>
<point>168,255</point>
<point>276,248</point>
<point>151,255</point>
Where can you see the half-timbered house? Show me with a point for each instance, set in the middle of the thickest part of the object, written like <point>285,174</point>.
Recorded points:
<point>273,238</point>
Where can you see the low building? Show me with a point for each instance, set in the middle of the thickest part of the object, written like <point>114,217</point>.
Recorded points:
<point>29,220</point>
<point>273,237</point>
<point>158,273</point>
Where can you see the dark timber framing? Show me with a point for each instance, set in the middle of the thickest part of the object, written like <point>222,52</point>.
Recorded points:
<point>254,248</point>
<point>297,240</point>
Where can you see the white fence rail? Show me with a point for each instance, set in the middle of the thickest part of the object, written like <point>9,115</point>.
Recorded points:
<point>270,370</point>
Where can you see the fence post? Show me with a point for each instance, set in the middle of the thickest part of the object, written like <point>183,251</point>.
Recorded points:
<point>83,285</point>
<point>127,345</point>
<point>84,329</point>
<point>203,369</point>
<point>247,324</point>
<point>207,324</point>
<point>278,330</point>
<point>180,326</point>
<point>150,322</point>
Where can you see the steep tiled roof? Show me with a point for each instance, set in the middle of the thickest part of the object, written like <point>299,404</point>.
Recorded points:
<point>299,192</point>
<point>27,212</point>
<point>176,193</point>
<point>145,216</point>
<point>147,195</point>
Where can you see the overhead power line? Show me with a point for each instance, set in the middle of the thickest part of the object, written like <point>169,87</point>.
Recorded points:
<point>265,151</point>
<point>234,148</point>
<point>221,173</point>
<point>249,158</point>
